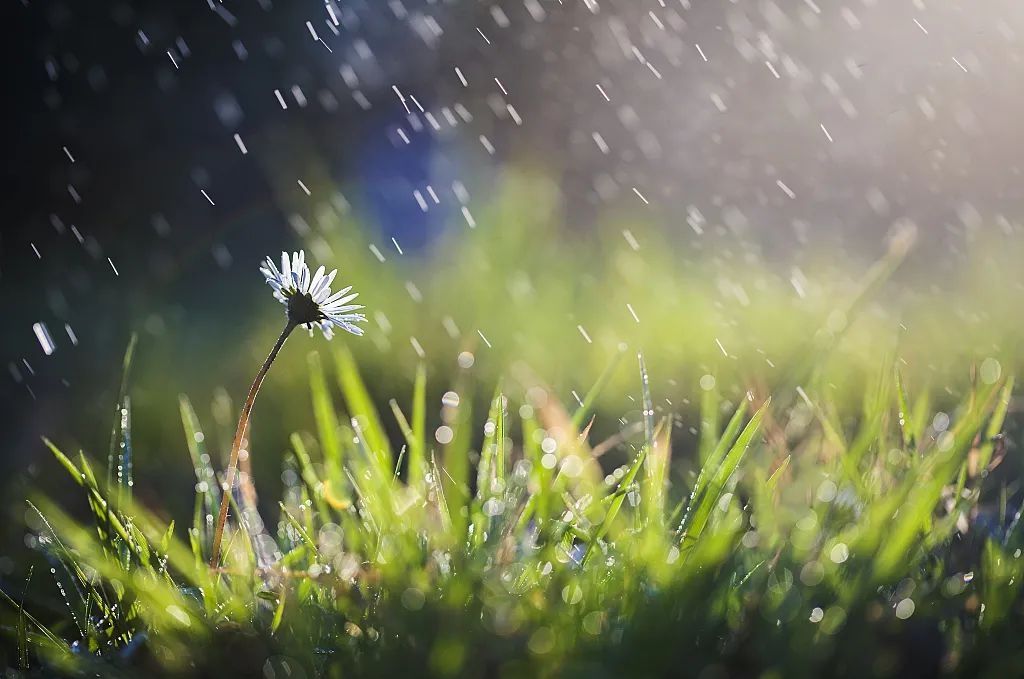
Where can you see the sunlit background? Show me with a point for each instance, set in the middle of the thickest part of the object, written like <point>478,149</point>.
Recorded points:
<point>516,188</point>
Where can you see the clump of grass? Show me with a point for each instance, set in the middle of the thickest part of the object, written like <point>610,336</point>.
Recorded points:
<point>804,543</point>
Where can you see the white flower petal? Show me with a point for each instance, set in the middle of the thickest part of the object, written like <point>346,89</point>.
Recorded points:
<point>339,302</point>
<point>342,312</point>
<point>317,277</point>
<point>273,268</point>
<point>337,295</point>
<point>348,327</point>
<point>322,289</point>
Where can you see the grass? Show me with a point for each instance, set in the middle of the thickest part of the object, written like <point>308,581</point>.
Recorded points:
<point>836,494</point>
<point>802,540</point>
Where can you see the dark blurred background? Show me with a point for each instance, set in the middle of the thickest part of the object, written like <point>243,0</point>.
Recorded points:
<point>155,152</point>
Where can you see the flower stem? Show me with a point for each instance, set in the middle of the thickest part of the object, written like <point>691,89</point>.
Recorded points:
<point>236,444</point>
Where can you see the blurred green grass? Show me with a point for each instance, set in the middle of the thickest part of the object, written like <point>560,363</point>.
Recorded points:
<point>869,481</point>
<point>800,544</point>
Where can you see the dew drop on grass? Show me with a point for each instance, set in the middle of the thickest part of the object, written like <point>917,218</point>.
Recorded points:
<point>945,441</point>
<point>812,573</point>
<point>905,609</point>
<point>572,594</point>
<point>593,622</point>
<point>494,507</point>
<point>444,434</point>
<point>413,599</point>
<point>572,466</point>
<point>827,491</point>
<point>990,371</point>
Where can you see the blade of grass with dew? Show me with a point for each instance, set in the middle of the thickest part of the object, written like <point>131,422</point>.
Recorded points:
<point>376,486</point>
<point>206,476</point>
<point>437,489</point>
<point>125,473</point>
<point>709,424</point>
<point>97,501</point>
<point>617,498</point>
<point>126,365</point>
<point>157,603</point>
<point>539,504</point>
<point>407,432</point>
<point>915,512</point>
<point>995,424</point>
<point>655,461</point>
<point>656,480</point>
<point>491,467</point>
<point>773,481</point>
<point>1004,574</point>
<point>903,403</point>
<point>732,430</point>
<point>75,579</point>
<point>22,629</point>
<point>54,640</point>
<point>360,406</point>
<point>418,444</point>
<point>299,529</point>
<point>701,514</point>
<point>919,417</point>
<point>492,454</point>
<point>828,419</point>
<point>309,475</point>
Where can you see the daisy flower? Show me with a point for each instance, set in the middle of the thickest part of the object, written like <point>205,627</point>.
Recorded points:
<point>308,298</point>
<point>309,302</point>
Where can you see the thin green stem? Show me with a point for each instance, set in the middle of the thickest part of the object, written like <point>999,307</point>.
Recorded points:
<point>236,444</point>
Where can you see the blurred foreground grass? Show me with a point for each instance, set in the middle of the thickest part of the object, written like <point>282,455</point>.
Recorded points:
<point>799,545</point>
<point>810,470</point>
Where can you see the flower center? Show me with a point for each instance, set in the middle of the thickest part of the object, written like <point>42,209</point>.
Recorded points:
<point>302,309</point>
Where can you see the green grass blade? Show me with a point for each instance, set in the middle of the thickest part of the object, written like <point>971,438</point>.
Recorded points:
<point>903,404</point>
<point>326,418</point>
<point>418,444</point>
<point>995,424</point>
<point>360,406</point>
<point>708,500</point>
<point>126,365</point>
